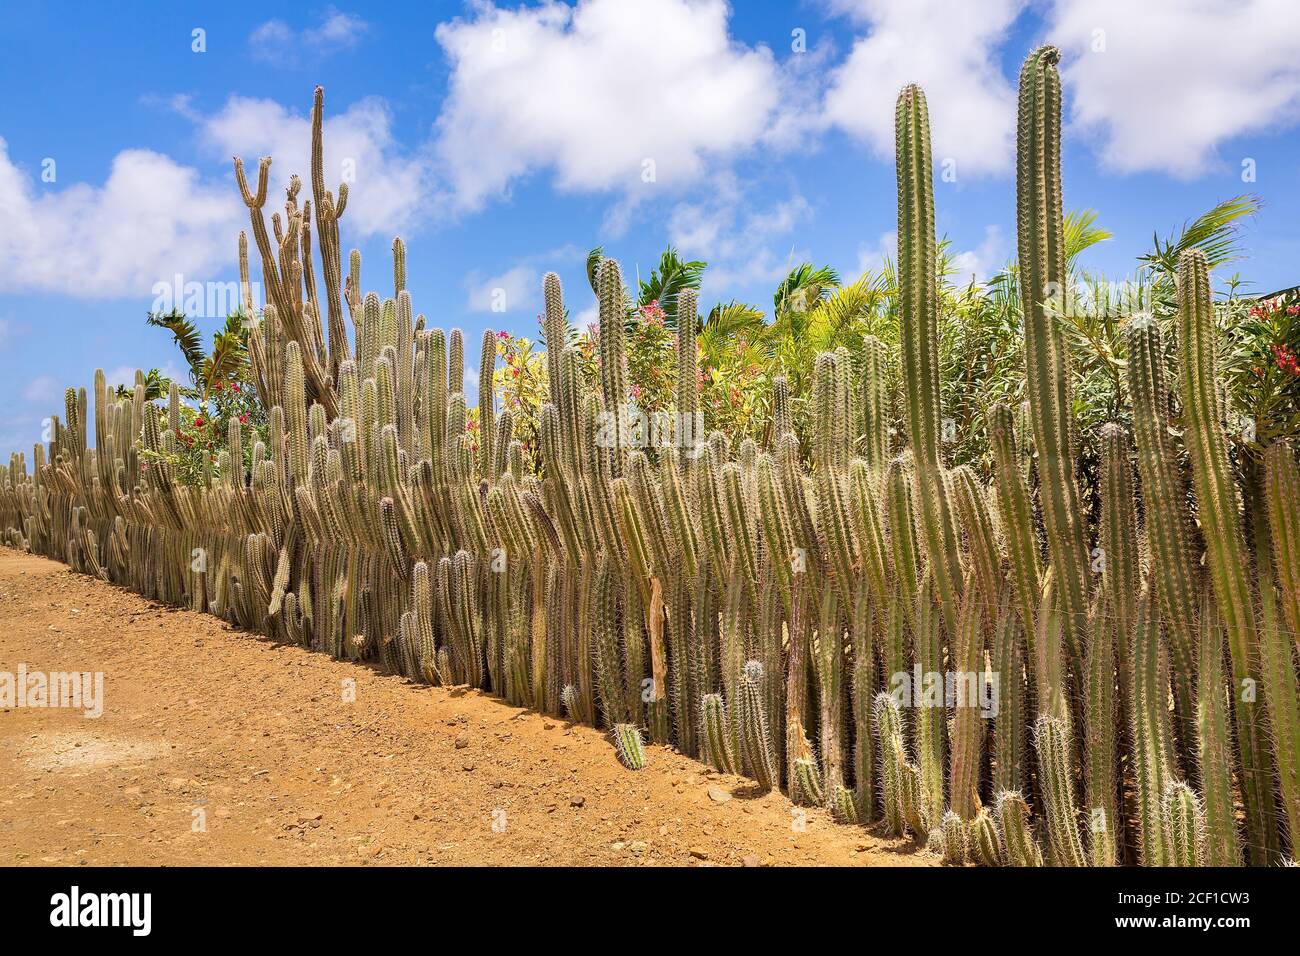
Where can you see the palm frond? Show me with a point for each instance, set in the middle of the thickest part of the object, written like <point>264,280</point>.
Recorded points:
<point>1081,232</point>
<point>667,281</point>
<point>1214,232</point>
<point>185,333</point>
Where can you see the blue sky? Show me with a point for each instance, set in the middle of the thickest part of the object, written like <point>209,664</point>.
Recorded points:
<point>502,141</point>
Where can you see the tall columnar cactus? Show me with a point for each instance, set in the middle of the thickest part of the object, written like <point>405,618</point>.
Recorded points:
<point>1017,511</point>
<point>1151,737</point>
<point>1280,691</point>
<point>1100,752</point>
<point>876,411</point>
<point>1220,515</point>
<point>967,725</point>
<point>1010,767</point>
<point>1043,275</point>
<point>889,743</point>
<point>688,399</point>
<point>931,718</point>
<point>486,409</point>
<point>1214,747</point>
<point>1121,573</point>
<point>1183,818</point>
<point>1282,483</point>
<point>919,319</point>
<point>1052,739</point>
<point>1167,523</point>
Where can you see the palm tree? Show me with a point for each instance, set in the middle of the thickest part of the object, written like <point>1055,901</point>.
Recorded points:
<point>228,360</point>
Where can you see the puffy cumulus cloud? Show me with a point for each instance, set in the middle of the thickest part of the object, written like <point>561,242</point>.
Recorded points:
<point>873,258</point>
<point>736,238</point>
<point>275,41</point>
<point>950,48</point>
<point>510,291</point>
<point>982,261</point>
<point>1163,82</point>
<point>151,218</point>
<point>519,287</point>
<point>594,92</point>
<point>387,184</point>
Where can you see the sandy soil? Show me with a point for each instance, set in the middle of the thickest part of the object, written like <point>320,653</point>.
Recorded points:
<point>218,747</point>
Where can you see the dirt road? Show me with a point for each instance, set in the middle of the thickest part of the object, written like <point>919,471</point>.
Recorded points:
<point>218,747</point>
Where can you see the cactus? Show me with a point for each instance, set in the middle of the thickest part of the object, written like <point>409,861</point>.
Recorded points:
<point>1009,724</point>
<point>1100,752</point>
<point>629,746</point>
<point>984,841</point>
<point>716,739</point>
<point>1017,834</point>
<point>889,744</point>
<point>1214,742</point>
<point>917,273</point>
<point>1183,818</point>
<point>1219,512</point>
<point>1168,531</point>
<point>1040,232</point>
<point>1151,737</point>
<point>954,839</point>
<point>931,717</point>
<point>755,740</point>
<point>1052,740</point>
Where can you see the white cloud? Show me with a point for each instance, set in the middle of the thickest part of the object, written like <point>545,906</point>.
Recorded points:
<point>152,218</point>
<point>594,91</point>
<point>872,258</point>
<point>385,183</point>
<point>982,261</point>
<point>736,240</point>
<point>276,42</point>
<point>1177,78</point>
<point>950,48</point>
<point>509,291</point>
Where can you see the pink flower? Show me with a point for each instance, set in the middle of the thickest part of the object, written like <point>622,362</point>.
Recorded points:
<point>503,335</point>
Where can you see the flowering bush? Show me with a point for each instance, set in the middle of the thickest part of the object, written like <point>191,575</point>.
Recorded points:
<point>520,384</point>
<point>202,432</point>
<point>651,359</point>
<point>1263,367</point>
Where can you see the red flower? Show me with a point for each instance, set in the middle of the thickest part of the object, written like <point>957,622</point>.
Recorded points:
<point>234,387</point>
<point>217,386</point>
<point>243,419</point>
<point>198,423</point>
